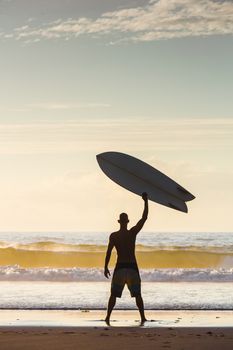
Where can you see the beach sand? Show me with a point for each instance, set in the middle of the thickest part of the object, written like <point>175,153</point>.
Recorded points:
<point>22,329</point>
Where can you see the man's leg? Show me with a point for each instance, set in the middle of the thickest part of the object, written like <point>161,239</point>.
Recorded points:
<point>111,304</point>
<point>140,306</point>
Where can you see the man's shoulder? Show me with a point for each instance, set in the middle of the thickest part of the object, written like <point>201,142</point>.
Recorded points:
<point>113,235</point>
<point>134,230</point>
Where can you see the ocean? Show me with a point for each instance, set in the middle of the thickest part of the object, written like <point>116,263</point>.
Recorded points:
<point>64,270</point>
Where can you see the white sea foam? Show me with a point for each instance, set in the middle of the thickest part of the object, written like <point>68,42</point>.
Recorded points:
<point>89,295</point>
<point>15,273</point>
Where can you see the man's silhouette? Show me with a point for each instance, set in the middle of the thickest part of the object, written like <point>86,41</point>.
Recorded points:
<point>126,269</point>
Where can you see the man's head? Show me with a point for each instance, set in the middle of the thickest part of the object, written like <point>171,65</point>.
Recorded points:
<point>123,219</point>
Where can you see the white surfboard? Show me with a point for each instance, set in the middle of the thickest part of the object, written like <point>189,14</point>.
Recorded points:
<point>138,177</point>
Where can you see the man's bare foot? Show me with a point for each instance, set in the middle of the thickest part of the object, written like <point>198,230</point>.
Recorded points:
<point>107,321</point>
<point>143,320</point>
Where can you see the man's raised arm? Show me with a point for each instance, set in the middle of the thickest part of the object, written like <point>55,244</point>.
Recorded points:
<point>141,222</point>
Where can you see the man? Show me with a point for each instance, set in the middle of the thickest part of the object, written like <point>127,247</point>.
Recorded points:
<point>126,269</point>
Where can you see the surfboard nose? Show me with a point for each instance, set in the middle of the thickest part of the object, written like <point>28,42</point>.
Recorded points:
<point>98,158</point>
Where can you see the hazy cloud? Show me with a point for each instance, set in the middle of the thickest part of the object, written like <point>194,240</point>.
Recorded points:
<point>99,135</point>
<point>55,106</point>
<point>159,19</point>
<point>67,106</point>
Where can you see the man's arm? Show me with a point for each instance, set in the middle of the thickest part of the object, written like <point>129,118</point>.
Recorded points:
<point>137,228</point>
<point>108,256</point>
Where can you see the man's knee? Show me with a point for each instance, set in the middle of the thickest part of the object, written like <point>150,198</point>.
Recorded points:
<point>113,297</point>
<point>138,298</point>
<point>139,295</point>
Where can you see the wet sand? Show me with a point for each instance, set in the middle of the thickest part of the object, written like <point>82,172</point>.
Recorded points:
<point>22,329</point>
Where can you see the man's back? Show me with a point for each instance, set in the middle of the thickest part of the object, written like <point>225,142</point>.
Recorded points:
<point>124,242</point>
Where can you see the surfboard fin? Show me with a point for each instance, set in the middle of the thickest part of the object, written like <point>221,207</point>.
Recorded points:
<point>185,210</point>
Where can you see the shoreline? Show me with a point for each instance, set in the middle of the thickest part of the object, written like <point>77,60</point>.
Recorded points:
<point>90,318</point>
<point>59,330</point>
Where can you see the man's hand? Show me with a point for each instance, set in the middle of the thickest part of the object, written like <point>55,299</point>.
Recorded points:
<point>106,272</point>
<point>145,196</point>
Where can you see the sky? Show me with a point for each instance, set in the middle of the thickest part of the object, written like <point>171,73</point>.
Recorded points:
<point>153,79</point>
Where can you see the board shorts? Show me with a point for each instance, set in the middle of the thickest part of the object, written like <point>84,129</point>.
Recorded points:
<point>126,276</point>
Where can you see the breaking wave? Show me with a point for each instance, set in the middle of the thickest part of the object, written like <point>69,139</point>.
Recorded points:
<point>49,254</point>
<point>16,273</point>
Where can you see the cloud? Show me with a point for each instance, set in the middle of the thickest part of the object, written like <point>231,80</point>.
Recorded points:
<point>55,106</point>
<point>67,106</point>
<point>133,136</point>
<point>159,19</point>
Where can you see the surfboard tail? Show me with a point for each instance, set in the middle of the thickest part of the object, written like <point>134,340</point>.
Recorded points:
<point>188,196</point>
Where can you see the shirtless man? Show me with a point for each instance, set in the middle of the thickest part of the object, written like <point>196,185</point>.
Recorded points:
<point>126,269</point>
